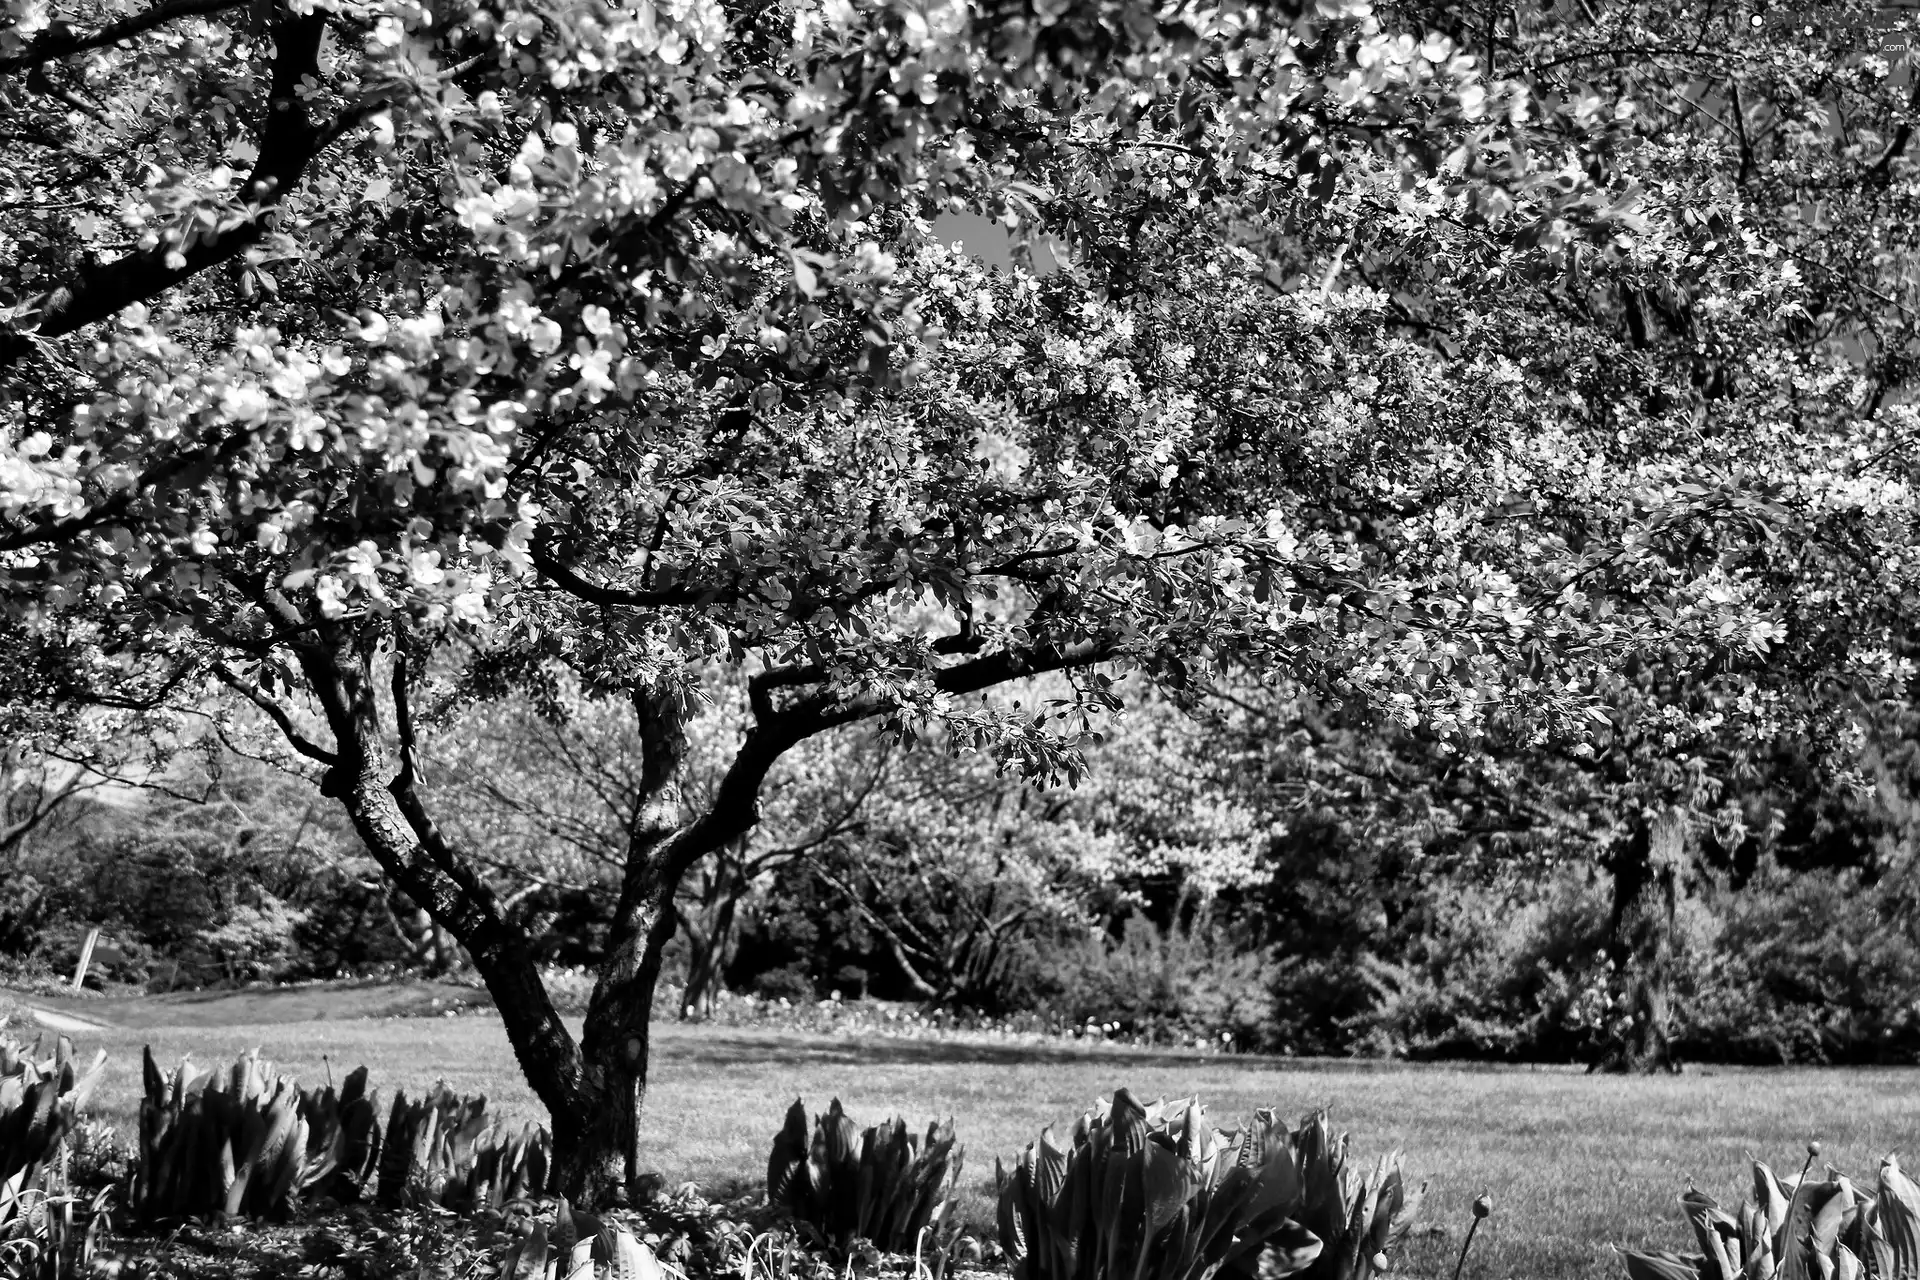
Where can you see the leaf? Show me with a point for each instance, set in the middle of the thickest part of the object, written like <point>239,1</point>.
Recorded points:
<point>1661,1265</point>
<point>632,1260</point>
<point>1167,1182</point>
<point>1293,1250</point>
<point>1899,1218</point>
<point>1718,1235</point>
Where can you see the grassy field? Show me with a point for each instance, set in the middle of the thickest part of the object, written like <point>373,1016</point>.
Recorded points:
<point>1575,1164</point>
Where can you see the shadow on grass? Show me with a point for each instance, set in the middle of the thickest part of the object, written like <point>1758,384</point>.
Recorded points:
<point>720,1048</point>
<point>715,1046</point>
<point>223,1007</point>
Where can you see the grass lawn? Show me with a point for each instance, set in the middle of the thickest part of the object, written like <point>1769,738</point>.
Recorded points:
<point>1575,1163</point>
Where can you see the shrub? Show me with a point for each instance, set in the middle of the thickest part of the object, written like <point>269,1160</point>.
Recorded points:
<point>255,1145</point>
<point>1178,985</point>
<point>885,1186</point>
<point>789,983</point>
<point>1797,1227</point>
<point>40,1102</point>
<point>571,990</point>
<point>1156,1193</point>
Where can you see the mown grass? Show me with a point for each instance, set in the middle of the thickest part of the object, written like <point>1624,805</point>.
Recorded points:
<point>1575,1164</point>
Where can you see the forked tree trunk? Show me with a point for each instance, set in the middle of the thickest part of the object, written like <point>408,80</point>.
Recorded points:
<point>597,1158</point>
<point>594,1088</point>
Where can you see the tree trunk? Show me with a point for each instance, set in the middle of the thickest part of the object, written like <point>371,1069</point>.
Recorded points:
<point>1646,873</point>
<point>599,1163</point>
<point>707,949</point>
<point>601,1160</point>
<point>709,928</point>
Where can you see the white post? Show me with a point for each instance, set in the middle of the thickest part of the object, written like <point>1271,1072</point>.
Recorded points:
<point>86,957</point>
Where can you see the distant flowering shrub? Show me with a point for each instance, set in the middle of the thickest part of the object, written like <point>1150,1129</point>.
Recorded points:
<point>899,1020</point>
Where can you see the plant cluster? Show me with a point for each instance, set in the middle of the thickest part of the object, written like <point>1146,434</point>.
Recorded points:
<point>1156,1191</point>
<point>248,1143</point>
<point>579,1246</point>
<point>41,1096</point>
<point>885,1185</point>
<point>905,1021</point>
<point>444,1150</point>
<point>1795,1227</point>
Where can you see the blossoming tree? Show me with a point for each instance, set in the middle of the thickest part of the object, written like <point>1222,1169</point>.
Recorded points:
<point>353,346</point>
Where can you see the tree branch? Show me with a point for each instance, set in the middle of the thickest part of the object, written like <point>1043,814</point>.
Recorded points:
<point>895,943</point>
<point>411,775</point>
<point>54,531</point>
<point>1882,169</point>
<point>278,714</point>
<point>1017,664</point>
<point>59,42</point>
<point>288,143</point>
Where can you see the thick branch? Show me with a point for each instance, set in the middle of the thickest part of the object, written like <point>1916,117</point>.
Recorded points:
<point>799,606</point>
<point>1017,664</point>
<point>1882,169</point>
<point>396,829</point>
<point>59,42</point>
<point>411,774</point>
<point>288,143</point>
<point>176,466</point>
<point>619,597</point>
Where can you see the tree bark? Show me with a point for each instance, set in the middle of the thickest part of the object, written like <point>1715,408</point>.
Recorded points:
<point>604,1163</point>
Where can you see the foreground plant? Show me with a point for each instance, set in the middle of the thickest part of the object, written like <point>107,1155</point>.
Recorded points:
<point>250,1144</point>
<point>41,1095</point>
<point>579,1246</point>
<point>1157,1193</point>
<point>886,1186</point>
<point>45,1229</point>
<point>1800,1227</point>
<point>444,1150</point>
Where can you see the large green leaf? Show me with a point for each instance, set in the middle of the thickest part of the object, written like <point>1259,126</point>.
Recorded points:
<point>1661,1265</point>
<point>1290,1250</point>
<point>1769,1198</point>
<point>788,1162</point>
<point>1717,1233</point>
<point>1168,1180</point>
<point>1899,1219</point>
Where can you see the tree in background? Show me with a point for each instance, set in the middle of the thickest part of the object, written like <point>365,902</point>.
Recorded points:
<point>546,792</point>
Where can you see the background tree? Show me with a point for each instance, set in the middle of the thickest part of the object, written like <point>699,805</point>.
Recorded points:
<point>545,791</point>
